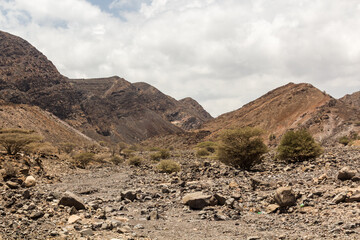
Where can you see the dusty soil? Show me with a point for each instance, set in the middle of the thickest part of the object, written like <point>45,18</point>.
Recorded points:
<point>157,211</point>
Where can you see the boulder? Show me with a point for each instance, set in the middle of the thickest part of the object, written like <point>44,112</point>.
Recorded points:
<point>12,185</point>
<point>285,197</point>
<point>197,200</point>
<point>129,194</point>
<point>339,198</point>
<point>346,173</point>
<point>73,219</point>
<point>354,197</point>
<point>220,199</point>
<point>71,200</point>
<point>30,181</point>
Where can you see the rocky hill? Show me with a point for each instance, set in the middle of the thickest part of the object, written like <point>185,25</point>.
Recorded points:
<point>186,113</point>
<point>289,107</point>
<point>352,100</point>
<point>46,124</point>
<point>109,109</point>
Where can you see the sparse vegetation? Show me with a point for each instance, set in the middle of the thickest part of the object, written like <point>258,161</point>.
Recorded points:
<point>297,146</point>
<point>67,147</point>
<point>162,154</point>
<point>241,148</point>
<point>135,161</point>
<point>202,152</point>
<point>15,140</point>
<point>116,160</point>
<point>127,153</point>
<point>208,145</point>
<point>10,170</point>
<point>344,140</point>
<point>83,159</point>
<point>44,148</point>
<point>168,166</point>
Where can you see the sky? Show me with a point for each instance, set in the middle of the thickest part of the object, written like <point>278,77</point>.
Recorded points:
<point>222,53</point>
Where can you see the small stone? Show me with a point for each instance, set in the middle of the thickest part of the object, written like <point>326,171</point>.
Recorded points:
<point>36,215</point>
<point>12,185</point>
<point>153,215</point>
<point>285,197</point>
<point>26,194</point>
<point>339,198</point>
<point>253,238</point>
<point>54,233</point>
<point>139,226</point>
<point>86,232</point>
<point>129,194</point>
<point>233,185</point>
<point>272,208</point>
<point>346,173</point>
<point>73,219</point>
<point>30,181</point>
<point>354,198</point>
<point>220,198</point>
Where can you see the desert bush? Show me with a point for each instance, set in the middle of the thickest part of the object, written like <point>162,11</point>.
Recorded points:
<point>154,149</point>
<point>67,147</point>
<point>127,153</point>
<point>9,170</point>
<point>116,160</point>
<point>344,140</point>
<point>297,146</point>
<point>83,159</point>
<point>168,166</point>
<point>241,148</point>
<point>135,161</point>
<point>208,145</point>
<point>45,148</point>
<point>162,154</point>
<point>202,152</point>
<point>15,140</point>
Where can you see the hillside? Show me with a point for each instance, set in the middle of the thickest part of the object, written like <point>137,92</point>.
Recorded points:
<point>352,100</point>
<point>109,109</point>
<point>289,107</point>
<point>186,113</point>
<point>46,124</point>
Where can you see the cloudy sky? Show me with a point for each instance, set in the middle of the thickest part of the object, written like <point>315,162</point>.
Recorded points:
<point>223,53</point>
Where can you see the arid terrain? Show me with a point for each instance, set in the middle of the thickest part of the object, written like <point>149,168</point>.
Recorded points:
<point>94,171</point>
<point>123,202</point>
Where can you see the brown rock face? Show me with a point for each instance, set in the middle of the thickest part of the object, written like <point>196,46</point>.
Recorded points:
<point>290,107</point>
<point>27,76</point>
<point>352,100</point>
<point>186,113</point>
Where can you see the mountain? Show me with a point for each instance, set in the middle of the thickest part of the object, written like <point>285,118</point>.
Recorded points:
<point>27,76</point>
<point>290,107</point>
<point>186,113</point>
<point>352,100</point>
<point>109,109</point>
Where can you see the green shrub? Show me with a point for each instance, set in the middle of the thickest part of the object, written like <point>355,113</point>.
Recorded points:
<point>44,148</point>
<point>202,152</point>
<point>168,166</point>
<point>135,161</point>
<point>15,140</point>
<point>67,147</point>
<point>241,148</point>
<point>297,146</point>
<point>116,160</point>
<point>208,145</point>
<point>83,159</point>
<point>162,154</point>
<point>344,140</point>
<point>127,153</point>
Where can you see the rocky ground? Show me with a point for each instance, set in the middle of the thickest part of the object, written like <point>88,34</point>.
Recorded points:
<point>205,200</point>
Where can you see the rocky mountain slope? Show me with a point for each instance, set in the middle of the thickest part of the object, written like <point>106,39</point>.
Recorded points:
<point>44,123</point>
<point>289,107</point>
<point>352,100</point>
<point>109,109</point>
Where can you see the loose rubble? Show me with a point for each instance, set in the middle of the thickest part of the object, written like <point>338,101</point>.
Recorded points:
<point>206,200</point>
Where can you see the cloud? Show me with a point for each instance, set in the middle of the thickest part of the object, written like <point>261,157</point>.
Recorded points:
<point>222,53</point>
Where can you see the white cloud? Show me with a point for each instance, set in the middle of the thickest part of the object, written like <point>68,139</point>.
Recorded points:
<point>223,53</point>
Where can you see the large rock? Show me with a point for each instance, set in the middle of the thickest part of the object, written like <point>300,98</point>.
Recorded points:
<point>129,194</point>
<point>285,197</point>
<point>30,181</point>
<point>346,173</point>
<point>197,200</point>
<point>71,200</point>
